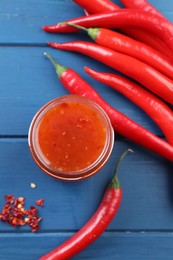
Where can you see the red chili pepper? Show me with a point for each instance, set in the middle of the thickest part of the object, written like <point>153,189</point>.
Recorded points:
<point>161,114</point>
<point>121,123</point>
<point>96,225</point>
<point>128,46</point>
<point>141,72</point>
<point>142,5</point>
<point>151,40</point>
<point>97,6</point>
<point>104,6</point>
<point>121,18</point>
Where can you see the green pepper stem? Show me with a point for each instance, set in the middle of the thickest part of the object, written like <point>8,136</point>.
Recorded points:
<point>76,26</point>
<point>59,68</point>
<point>92,32</point>
<point>114,183</point>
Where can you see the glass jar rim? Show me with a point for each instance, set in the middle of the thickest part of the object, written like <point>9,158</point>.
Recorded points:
<point>79,174</point>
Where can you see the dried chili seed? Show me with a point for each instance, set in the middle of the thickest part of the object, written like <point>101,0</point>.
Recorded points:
<point>33,185</point>
<point>19,206</point>
<point>26,219</point>
<point>40,202</point>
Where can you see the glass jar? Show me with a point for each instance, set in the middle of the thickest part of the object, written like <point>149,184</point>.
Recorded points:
<point>71,138</point>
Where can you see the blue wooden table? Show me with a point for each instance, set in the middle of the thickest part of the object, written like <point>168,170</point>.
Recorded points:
<point>143,227</point>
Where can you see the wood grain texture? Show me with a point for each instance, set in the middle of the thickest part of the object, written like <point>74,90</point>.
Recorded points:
<point>120,246</point>
<point>146,180</point>
<point>143,226</point>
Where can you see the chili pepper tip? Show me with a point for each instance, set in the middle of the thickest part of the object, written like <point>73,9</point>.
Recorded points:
<point>45,28</point>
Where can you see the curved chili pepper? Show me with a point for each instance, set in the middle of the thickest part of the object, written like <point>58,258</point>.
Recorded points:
<point>150,40</point>
<point>103,6</point>
<point>141,72</point>
<point>97,6</point>
<point>128,46</point>
<point>121,123</point>
<point>161,114</point>
<point>96,225</point>
<point>120,18</point>
<point>142,5</point>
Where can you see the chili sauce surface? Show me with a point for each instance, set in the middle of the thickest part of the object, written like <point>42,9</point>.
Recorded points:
<point>71,136</point>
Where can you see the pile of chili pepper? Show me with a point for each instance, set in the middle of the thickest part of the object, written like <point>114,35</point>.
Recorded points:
<point>144,52</point>
<point>121,123</point>
<point>150,67</point>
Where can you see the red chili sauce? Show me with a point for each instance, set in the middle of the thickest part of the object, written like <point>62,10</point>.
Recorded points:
<point>71,136</point>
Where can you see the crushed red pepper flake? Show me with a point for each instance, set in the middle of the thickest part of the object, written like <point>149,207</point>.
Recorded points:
<point>14,213</point>
<point>40,202</point>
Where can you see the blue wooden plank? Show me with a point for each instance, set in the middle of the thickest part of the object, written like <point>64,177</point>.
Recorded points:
<point>28,81</point>
<point>143,226</point>
<point>146,180</point>
<point>21,20</point>
<point>25,19</point>
<point>120,246</point>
